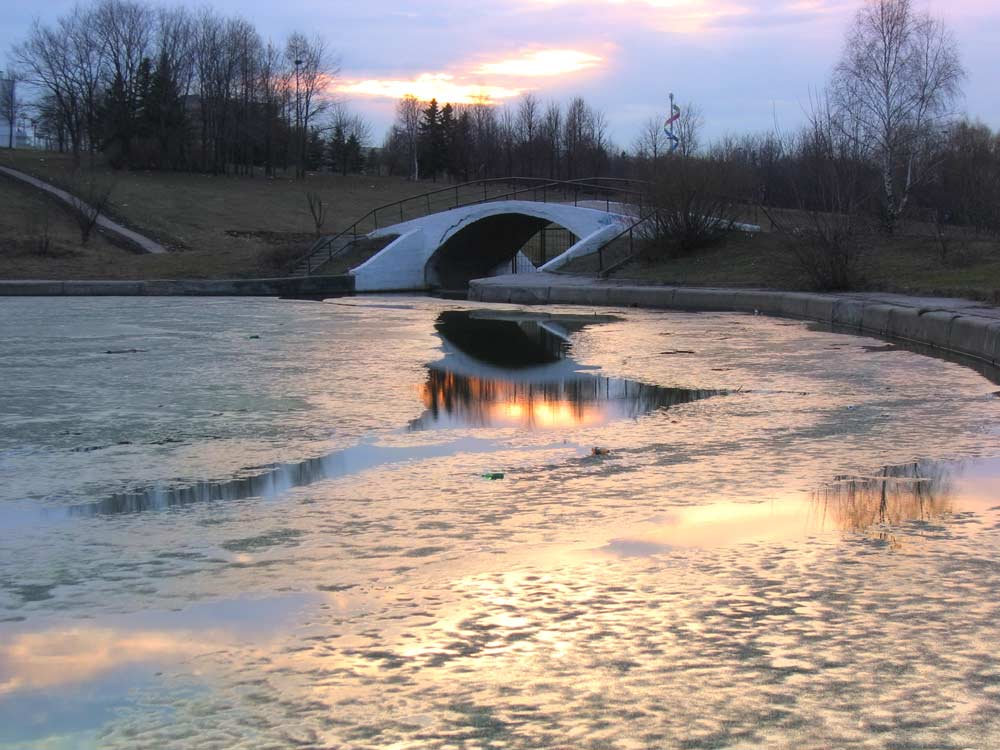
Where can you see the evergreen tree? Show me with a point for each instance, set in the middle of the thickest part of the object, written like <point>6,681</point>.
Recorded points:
<point>165,120</point>
<point>460,147</point>
<point>448,127</point>
<point>354,158</point>
<point>117,124</point>
<point>338,150</point>
<point>432,152</point>
<point>315,150</point>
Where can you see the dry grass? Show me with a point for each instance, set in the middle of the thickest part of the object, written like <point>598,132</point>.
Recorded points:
<point>906,263</point>
<point>217,227</point>
<point>27,217</point>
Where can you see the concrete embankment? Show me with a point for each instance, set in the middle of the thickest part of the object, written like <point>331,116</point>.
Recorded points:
<point>952,325</point>
<point>292,286</point>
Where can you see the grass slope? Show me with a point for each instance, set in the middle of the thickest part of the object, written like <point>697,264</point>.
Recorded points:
<point>216,227</point>
<point>909,263</point>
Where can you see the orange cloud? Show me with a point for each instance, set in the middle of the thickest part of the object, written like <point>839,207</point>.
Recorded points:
<point>441,86</point>
<point>471,84</point>
<point>545,62</point>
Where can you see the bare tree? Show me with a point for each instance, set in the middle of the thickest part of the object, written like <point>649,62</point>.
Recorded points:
<point>408,121</point>
<point>599,141</point>
<point>895,87</point>
<point>528,123</point>
<point>651,144</point>
<point>60,61</point>
<point>317,209</point>
<point>689,128</point>
<point>124,28</point>
<point>273,87</point>
<point>575,129</point>
<point>507,137</point>
<point>552,138</point>
<point>827,234</point>
<point>313,71</point>
<point>91,197</point>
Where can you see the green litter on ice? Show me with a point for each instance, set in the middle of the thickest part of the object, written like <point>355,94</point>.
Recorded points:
<point>493,475</point>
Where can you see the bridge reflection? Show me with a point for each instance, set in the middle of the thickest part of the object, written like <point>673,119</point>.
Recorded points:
<point>454,400</point>
<point>514,370</point>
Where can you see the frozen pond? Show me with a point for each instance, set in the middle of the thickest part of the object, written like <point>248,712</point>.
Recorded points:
<point>266,524</point>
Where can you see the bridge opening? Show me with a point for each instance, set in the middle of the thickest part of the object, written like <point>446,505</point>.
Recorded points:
<point>489,245</point>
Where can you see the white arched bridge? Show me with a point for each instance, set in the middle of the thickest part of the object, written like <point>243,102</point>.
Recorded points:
<point>445,238</point>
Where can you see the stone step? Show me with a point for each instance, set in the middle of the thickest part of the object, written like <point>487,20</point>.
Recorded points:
<point>321,254</point>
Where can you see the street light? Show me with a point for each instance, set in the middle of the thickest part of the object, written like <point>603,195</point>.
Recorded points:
<point>298,120</point>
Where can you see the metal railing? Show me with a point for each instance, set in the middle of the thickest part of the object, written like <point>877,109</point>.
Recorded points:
<point>630,231</point>
<point>607,189</point>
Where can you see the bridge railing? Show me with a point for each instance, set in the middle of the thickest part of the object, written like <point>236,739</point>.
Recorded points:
<point>609,190</point>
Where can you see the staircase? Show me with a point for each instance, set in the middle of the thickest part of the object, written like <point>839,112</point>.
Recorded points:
<point>322,251</point>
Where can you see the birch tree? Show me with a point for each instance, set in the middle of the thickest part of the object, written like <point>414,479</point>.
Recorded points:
<point>896,84</point>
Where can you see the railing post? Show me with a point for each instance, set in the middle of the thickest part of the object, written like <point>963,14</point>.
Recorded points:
<point>456,196</point>
<point>631,250</point>
<point>600,258</point>
<point>544,233</point>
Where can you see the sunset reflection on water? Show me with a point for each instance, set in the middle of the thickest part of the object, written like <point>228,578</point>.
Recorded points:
<point>516,371</point>
<point>291,533</point>
<point>458,400</point>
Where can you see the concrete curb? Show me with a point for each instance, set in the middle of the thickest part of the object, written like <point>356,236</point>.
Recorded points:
<point>951,330</point>
<point>291,286</point>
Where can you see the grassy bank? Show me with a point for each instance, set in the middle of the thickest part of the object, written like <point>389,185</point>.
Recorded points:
<point>909,263</point>
<point>216,227</point>
<point>243,227</point>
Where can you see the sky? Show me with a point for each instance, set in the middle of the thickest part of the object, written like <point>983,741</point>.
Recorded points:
<point>749,65</point>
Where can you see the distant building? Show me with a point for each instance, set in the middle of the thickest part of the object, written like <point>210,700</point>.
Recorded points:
<point>21,138</point>
<point>22,135</point>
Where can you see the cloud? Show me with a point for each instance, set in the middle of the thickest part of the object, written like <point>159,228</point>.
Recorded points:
<point>488,82</point>
<point>545,62</point>
<point>441,86</point>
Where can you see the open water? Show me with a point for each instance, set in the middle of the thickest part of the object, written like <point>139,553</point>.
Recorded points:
<point>271,524</point>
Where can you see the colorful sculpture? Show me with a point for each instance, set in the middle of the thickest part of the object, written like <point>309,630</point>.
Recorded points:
<point>668,126</point>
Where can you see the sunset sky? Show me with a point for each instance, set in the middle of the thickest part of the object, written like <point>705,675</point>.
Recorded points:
<point>749,64</point>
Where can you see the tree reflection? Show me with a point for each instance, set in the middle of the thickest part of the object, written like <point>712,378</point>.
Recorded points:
<point>918,491</point>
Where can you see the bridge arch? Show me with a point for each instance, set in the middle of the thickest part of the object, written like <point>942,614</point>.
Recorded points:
<point>449,248</point>
<point>478,248</point>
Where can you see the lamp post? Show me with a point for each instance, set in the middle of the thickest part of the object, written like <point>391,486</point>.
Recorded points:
<point>298,123</point>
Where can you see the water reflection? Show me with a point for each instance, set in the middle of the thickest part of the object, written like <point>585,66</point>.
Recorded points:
<point>917,491</point>
<point>513,370</point>
<point>77,675</point>
<point>877,506</point>
<point>274,480</point>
